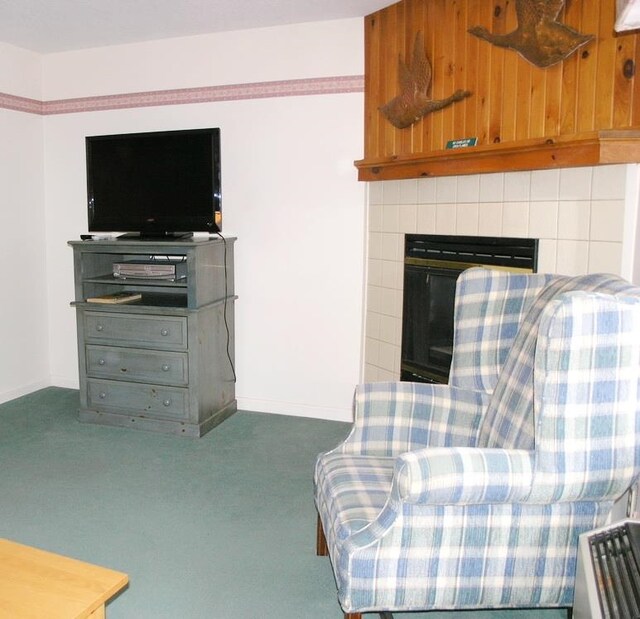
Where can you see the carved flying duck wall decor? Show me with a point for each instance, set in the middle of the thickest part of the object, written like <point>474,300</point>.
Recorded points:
<point>414,100</point>
<point>539,38</point>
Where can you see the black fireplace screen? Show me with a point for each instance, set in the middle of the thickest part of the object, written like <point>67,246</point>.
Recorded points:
<point>431,267</point>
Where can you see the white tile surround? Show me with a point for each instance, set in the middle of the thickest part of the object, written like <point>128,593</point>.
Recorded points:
<point>582,217</point>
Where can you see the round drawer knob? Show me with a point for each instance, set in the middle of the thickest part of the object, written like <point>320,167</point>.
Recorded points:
<point>102,395</point>
<point>167,402</point>
<point>101,362</point>
<point>99,327</point>
<point>166,367</point>
<point>164,332</point>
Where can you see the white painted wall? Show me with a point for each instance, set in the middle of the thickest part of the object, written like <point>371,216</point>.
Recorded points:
<point>20,72</point>
<point>320,49</point>
<point>24,355</point>
<point>290,195</point>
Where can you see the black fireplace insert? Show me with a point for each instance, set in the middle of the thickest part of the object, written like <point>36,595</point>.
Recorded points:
<point>432,264</point>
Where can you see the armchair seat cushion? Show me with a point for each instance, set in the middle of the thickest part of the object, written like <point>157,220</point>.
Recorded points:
<point>356,489</point>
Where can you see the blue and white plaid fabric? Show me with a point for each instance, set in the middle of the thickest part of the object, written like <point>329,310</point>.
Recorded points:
<point>509,421</point>
<point>400,417</point>
<point>473,495</point>
<point>488,313</point>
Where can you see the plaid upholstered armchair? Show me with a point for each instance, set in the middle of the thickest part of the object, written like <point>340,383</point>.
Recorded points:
<point>473,494</point>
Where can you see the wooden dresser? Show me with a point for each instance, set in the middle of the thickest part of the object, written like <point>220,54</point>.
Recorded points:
<point>163,362</point>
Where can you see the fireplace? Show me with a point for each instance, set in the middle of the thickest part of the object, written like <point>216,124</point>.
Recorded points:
<point>584,220</point>
<point>432,264</point>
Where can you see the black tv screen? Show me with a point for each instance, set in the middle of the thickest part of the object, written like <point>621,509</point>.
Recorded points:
<point>155,184</point>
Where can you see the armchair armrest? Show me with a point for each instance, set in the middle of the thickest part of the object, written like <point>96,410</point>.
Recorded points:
<point>395,417</point>
<point>464,475</point>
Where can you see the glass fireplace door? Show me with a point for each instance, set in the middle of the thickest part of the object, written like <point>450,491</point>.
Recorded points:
<point>429,294</point>
<point>432,265</point>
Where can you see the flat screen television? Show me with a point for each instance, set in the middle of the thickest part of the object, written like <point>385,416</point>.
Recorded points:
<point>159,184</point>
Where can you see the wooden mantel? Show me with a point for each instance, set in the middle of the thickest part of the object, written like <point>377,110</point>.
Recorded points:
<point>583,111</point>
<point>603,147</point>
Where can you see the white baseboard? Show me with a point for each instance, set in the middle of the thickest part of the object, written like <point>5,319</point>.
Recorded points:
<point>18,392</point>
<point>294,409</point>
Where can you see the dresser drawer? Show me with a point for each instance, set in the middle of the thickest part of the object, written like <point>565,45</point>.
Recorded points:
<point>138,400</point>
<point>131,329</point>
<point>146,366</point>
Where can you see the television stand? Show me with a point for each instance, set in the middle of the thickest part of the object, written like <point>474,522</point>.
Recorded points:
<point>164,362</point>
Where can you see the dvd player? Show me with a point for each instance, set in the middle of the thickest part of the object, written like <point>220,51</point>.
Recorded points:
<point>155,269</point>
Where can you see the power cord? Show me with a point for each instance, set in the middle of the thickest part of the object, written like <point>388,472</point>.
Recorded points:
<point>226,296</point>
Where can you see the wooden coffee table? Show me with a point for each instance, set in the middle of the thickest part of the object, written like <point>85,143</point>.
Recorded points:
<point>36,584</point>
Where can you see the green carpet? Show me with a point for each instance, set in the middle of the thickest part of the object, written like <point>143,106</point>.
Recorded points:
<point>212,528</point>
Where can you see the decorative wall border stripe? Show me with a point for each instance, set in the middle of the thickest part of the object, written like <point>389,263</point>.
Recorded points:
<point>20,104</point>
<point>182,96</point>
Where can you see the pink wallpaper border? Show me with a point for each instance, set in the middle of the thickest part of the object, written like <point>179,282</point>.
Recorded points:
<point>20,104</point>
<point>183,96</point>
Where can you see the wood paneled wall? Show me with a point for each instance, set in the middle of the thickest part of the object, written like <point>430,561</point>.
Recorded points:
<point>513,102</point>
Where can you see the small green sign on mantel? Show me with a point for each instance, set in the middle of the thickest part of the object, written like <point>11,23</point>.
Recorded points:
<point>463,143</point>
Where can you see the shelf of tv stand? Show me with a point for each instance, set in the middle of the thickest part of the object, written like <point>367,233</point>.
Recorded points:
<point>166,301</point>
<point>207,280</point>
<point>137,282</point>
